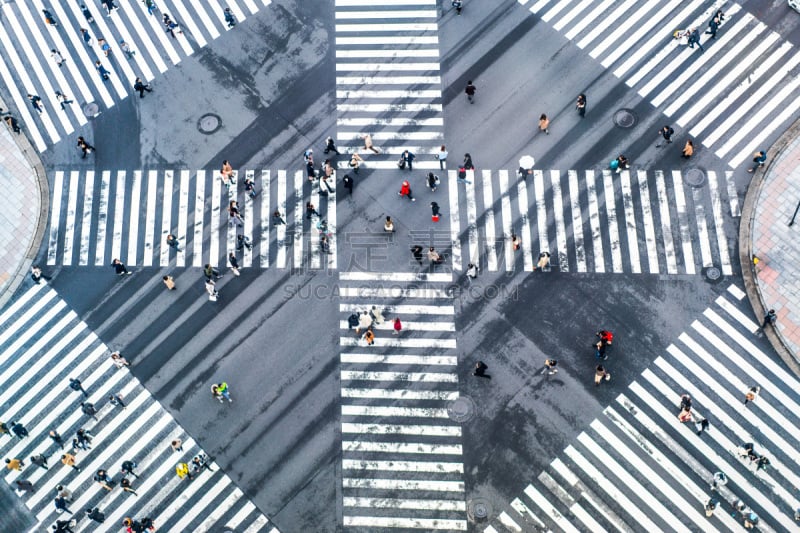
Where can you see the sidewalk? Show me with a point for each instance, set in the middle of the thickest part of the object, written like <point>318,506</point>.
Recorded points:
<point>25,204</point>
<point>774,283</point>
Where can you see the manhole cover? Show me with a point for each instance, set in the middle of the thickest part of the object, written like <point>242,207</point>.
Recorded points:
<point>461,409</point>
<point>91,109</point>
<point>478,509</point>
<point>209,123</point>
<point>713,273</point>
<point>625,118</point>
<point>694,177</point>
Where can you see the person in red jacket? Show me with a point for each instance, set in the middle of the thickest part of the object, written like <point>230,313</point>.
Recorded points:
<point>405,190</point>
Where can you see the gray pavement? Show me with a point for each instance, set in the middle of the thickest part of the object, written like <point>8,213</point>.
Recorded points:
<point>23,218</point>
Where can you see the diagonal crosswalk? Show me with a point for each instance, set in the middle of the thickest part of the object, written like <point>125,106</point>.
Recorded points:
<point>26,65</point>
<point>401,453</point>
<point>388,82</point>
<point>732,98</point>
<point>637,468</point>
<point>44,344</point>
<point>97,216</point>
<point>593,221</point>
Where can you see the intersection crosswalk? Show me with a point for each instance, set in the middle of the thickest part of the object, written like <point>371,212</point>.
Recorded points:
<point>99,216</point>
<point>26,65</point>
<point>639,469</point>
<point>593,221</point>
<point>732,97</point>
<point>44,344</point>
<point>388,82</point>
<point>401,453</point>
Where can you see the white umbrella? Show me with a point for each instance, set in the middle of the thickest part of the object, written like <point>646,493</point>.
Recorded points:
<point>526,161</point>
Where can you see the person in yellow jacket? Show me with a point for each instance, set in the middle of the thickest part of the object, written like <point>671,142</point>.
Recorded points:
<point>182,470</point>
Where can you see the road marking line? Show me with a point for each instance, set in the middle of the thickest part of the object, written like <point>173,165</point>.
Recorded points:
<point>69,226</point>
<point>166,216</point>
<point>182,230</point>
<point>719,223</point>
<point>404,359</point>
<point>594,222</point>
<point>577,220</point>
<point>683,223</point>
<point>702,229</point>
<point>403,466</point>
<point>414,412</point>
<point>55,217</point>
<point>150,219</point>
<point>526,238</point>
<point>119,211</point>
<point>630,222</point>
<point>298,226</point>
<point>133,218</point>
<point>400,394</point>
<point>399,429</point>
<point>280,229</point>
<point>102,218</point>
<point>199,218</point>
<point>666,228</point>
<point>611,216</point>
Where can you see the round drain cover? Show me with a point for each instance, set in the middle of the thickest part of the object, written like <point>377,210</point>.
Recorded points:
<point>694,177</point>
<point>478,509</point>
<point>461,409</point>
<point>713,273</point>
<point>625,118</point>
<point>209,123</point>
<point>91,109</point>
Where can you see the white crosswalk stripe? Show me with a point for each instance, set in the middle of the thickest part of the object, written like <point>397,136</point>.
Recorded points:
<point>99,216</point>
<point>34,380</point>
<point>653,221</point>
<point>637,468</point>
<point>401,452</point>
<point>383,87</point>
<point>713,93</point>
<point>26,65</point>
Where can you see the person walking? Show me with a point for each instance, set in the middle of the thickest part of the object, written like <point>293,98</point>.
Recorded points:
<point>600,374</point>
<point>234,264</point>
<point>713,26</point>
<point>368,143</point>
<point>87,37</point>
<point>751,394</point>
<point>126,48</point>
<point>89,410</point>
<point>224,391</point>
<point>550,367</point>
<point>433,256</point>
<point>710,506</point>
<point>49,19</point>
<point>388,226</point>
<point>39,460</point>
<point>435,212</point>
<point>544,124</point>
<point>377,315</point>
<point>472,271</point>
<point>243,241</point>
<point>442,157</point>
<point>694,38</point>
<point>177,445</point>
<point>61,505</point>
<point>210,272</point>
<point>18,429</point>
<point>201,462</point>
<point>169,282</point>
<point>688,149</point>
<point>85,147</point>
<point>211,289</point>
<point>63,100</point>
<point>347,181</point>
<point>182,471</point>
<point>14,464</point>
<point>125,484</point>
<point>36,102</point>
<point>56,437</point>
<point>330,146</point>
<point>311,210</point>
<point>701,425</point>
<point>230,20</point>
<point>580,105</point>
<point>104,480</point>
<point>173,242</point>
<point>84,438</point>
<point>250,187</point>
<point>128,467</point>
<point>118,360</point>
<point>355,162</point>
<point>170,26</point>
<point>24,485</point>
<point>103,71</point>
<point>398,326</point>
<point>364,322</point>
<point>516,242</point>
<point>13,124</point>
<point>369,336</point>
<point>104,46</point>
<point>140,87</point>
<point>759,158</point>
<point>770,317</point>
<point>408,159</point>
<point>68,459</point>
<point>666,132</point>
<point>117,400</point>
<point>433,181</point>
<point>480,370</point>
<point>416,253</point>
<point>544,261</point>
<point>216,394</point>
<point>57,57</point>
<point>405,190</point>
<point>95,513</point>
<point>468,165</point>
<point>458,4</point>
<point>277,218</point>
<point>64,492</point>
<point>469,90</point>
<point>120,268</point>
<point>77,386</point>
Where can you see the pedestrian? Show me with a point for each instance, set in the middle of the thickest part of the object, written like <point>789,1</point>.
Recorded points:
<point>77,386</point>
<point>600,350</point>
<point>685,415</point>
<point>330,146</point>
<point>580,105</point>
<point>170,26</point>
<point>710,506</point>
<point>544,261</point>
<point>39,460</point>
<point>686,402</point>
<point>472,271</point>
<point>368,143</point>
<point>84,438</point>
<point>126,48</point>
<point>405,190</point>
<point>369,336</point>
<point>117,400</point>
<point>600,374</point>
<point>69,460</point>
<point>480,370</point>
<point>762,463</point>
<point>751,394</point>
<point>433,181</point>
<point>388,226</point>
<point>104,73</point>
<point>109,5</point>
<point>435,212</point>
<point>666,132</point>
<point>173,242</point>
<point>694,38</point>
<point>377,315</point>
<point>458,5</point>
<point>235,216</point>
<point>85,147</point>
<point>355,162</point>
<point>713,26</point>
<point>56,436</point>
<point>18,429</point>
<point>234,263</point>
<point>277,218</point>
<point>177,445</point>
<point>308,156</point>
<point>688,149</point>
<point>57,57</point>
<point>87,37</point>
<point>211,289</point>
<point>770,317</point>
<point>310,171</point>
<point>364,322</point>
<point>550,367</point>
<point>104,480</point>
<point>442,157</point>
<point>89,410</point>
<point>407,159</point>
<point>311,211</point>
<point>215,393</point>
<point>182,471</point>
<point>13,124</point>
<point>416,252</point>
<point>224,391</point>
<point>516,242</point>
<point>87,14</point>
<point>95,513</point>
<point>701,425</point>
<point>250,187</point>
<point>119,268</point>
<point>61,505</point>
<point>544,124</point>
<point>118,360</point>
<point>14,464</point>
<point>64,492</point>
<point>199,462</point>
<point>347,181</point>
<point>63,100</point>
<point>4,429</point>
<point>169,282</point>
<point>128,467</point>
<point>243,241</point>
<point>759,158</point>
<point>49,19</point>
<point>36,102</point>
<point>210,272</point>
<point>469,90</point>
<point>230,20</point>
<point>125,484</point>
<point>104,46</point>
<point>461,175</point>
<point>24,485</point>
<point>140,87</point>
<point>468,162</point>
<point>398,326</point>
<point>433,256</point>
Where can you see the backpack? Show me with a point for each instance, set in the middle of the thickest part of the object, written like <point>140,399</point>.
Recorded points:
<point>462,173</point>
<point>614,164</point>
